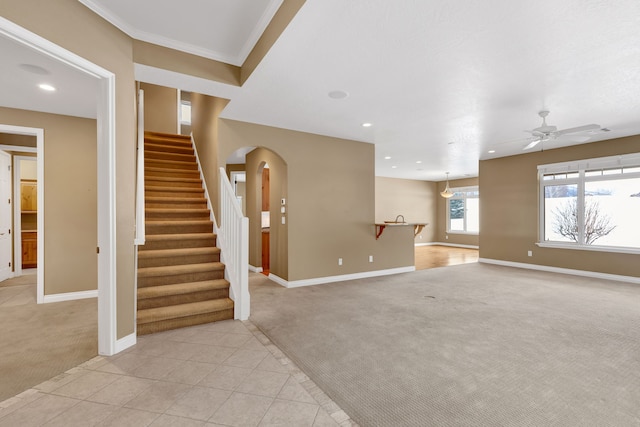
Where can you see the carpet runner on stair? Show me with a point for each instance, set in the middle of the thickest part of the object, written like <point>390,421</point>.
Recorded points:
<point>180,277</point>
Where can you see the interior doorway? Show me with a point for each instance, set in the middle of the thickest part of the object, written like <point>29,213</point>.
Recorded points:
<point>265,217</point>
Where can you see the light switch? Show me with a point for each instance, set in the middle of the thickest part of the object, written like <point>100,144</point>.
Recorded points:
<point>282,209</point>
<point>283,220</point>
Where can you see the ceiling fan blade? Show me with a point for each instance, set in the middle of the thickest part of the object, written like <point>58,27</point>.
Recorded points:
<point>532,144</point>
<point>578,129</point>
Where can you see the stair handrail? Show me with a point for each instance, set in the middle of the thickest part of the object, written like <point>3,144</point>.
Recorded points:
<point>233,238</point>
<point>140,235</point>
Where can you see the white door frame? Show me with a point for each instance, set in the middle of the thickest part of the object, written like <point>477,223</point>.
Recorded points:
<point>107,332</point>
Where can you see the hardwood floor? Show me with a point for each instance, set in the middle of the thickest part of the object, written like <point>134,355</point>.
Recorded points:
<point>441,256</point>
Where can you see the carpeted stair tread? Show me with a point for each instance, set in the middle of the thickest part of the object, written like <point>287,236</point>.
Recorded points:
<point>160,199</point>
<point>193,190</point>
<point>165,253</point>
<point>183,236</point>
<point>182,288</point>
<point>184,213</point>
<point>169,270</point>
<point>183,310</point>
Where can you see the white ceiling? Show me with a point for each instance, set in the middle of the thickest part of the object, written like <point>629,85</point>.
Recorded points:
<point>75,94</point>
<point>442,82</point>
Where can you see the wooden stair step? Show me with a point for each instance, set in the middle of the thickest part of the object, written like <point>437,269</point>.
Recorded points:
<point>177,316</point>
<point>174,190</point>
<point>169,181</point>
<point>158,147</point>
<point>171,164</point>
<point>151,171</point>
<point>167,136</point>
<point>151,153</point>
<point>182,293</point>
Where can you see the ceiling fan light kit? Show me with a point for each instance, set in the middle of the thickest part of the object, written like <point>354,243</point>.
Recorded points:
<point>545,132</point>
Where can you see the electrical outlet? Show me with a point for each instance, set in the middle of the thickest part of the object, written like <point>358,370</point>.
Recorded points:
<point>339,261</point>
<point>446,237</point>
<point>529,253</point>
<point>370,258</point>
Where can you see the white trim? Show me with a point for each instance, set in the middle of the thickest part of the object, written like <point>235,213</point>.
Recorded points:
<point>19,148</point>
<point>106,142</point>
<point>234,59</point>
<point>39,134</point>
<point>70,296</point>
<point>125,342</point>
<point>341,278</point>
<point>255,269</point>
<point>455,245</point>
<point>592,248</point>
<point>584,273</point>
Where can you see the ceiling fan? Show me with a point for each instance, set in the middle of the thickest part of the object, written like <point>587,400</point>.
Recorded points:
<point>547,132</point>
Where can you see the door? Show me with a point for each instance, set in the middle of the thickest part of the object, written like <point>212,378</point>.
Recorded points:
<point>5,215</point>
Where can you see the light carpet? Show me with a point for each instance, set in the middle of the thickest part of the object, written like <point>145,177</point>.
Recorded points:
<point>38,342</point>
<point>466,345</point>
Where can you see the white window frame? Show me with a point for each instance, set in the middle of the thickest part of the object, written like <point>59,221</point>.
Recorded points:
<point>464,191</point>
<point>580,167</point>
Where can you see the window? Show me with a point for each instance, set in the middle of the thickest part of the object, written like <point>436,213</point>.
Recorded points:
<point>591,204</point>
<point>463,211</point>
<point>185,112</point>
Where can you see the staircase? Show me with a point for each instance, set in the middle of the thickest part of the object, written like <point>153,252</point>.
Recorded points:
<point>180,276</point>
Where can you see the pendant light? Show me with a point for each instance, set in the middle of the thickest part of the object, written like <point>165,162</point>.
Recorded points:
<point>447,193</point>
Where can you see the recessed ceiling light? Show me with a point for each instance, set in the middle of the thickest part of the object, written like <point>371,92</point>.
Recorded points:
<point>366,125</point>
<point>35,69</point>
<point>338,94</point>
<point>418,161</point>
<point>47,87</point>
<point>492,151</point>
<point>393,167</point>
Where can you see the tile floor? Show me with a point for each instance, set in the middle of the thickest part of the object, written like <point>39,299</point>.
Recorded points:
<point>179,378</point>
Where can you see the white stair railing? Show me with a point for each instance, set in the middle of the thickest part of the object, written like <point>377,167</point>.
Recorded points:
<point>233,240</point>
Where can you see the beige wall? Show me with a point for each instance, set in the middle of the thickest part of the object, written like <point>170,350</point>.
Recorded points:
<point>160,108</point>
<point>70,199</point>
<point>509,210</point>
<point>415,200</point>
<point>204,124</point>
<point>71,25</point>
<point>21,140</point>
<point>454,238</point>
<point>331,202</point>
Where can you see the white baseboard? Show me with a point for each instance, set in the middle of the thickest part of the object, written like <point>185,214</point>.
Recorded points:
<point>126,342</point>
<point>455,245</point>
<point>584,273</point>
<point>341,278</point>
<point>70,296</point>
<point>255,269</point>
